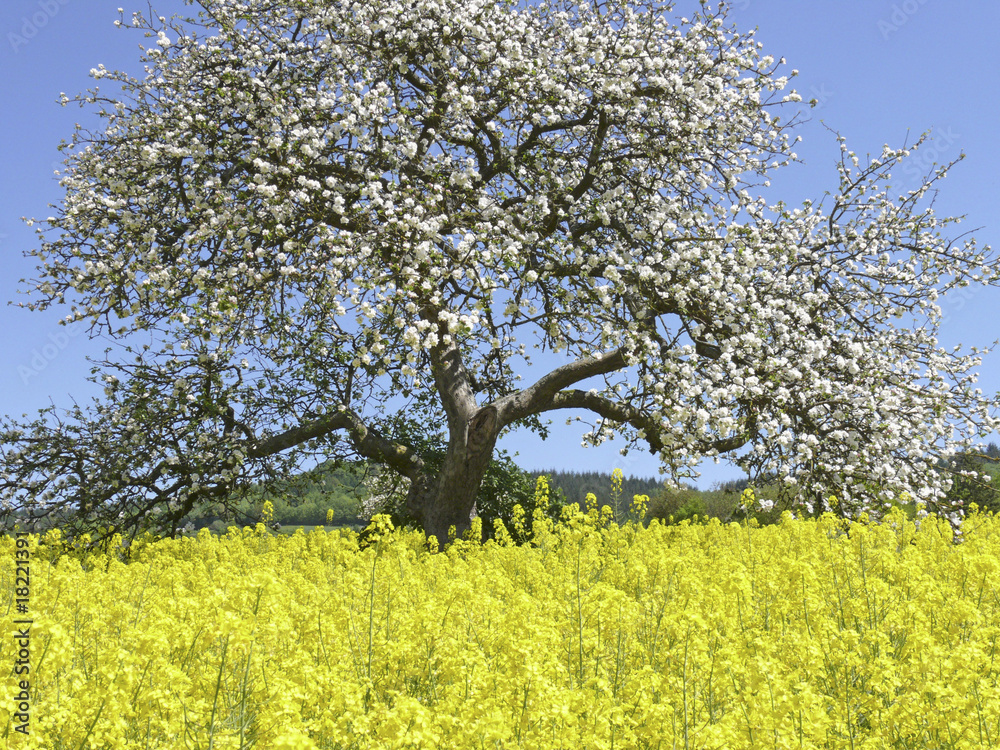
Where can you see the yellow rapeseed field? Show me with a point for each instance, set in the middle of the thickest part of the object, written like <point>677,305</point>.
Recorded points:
<point>805,634</point>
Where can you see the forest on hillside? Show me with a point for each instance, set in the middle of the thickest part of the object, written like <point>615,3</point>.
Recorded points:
<point>343,489</point>
<point>340,495</point>
<point>576,485</point>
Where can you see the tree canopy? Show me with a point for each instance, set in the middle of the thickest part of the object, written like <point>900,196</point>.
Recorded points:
<point>313,224</point>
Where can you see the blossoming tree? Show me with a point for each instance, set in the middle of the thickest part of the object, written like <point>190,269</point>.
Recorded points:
<point>312,224</point>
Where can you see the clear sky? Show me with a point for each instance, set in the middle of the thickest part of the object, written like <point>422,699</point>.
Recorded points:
<point>883,72</point>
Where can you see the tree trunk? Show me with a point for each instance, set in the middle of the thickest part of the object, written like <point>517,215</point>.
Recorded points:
<point>449,499</point>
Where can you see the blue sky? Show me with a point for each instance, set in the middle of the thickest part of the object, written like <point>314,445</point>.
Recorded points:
<point>883,72</point>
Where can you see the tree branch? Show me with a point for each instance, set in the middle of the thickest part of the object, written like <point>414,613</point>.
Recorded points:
<point>539,397</point>
<point>454,385</point>
<point>366,441</point>
<point>626,414</point>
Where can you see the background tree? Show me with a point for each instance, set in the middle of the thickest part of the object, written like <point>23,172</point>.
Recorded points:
<point>975,478</point>
<point>312,223</point>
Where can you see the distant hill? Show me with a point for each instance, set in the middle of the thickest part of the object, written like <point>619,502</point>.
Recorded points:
<point>306,499</point>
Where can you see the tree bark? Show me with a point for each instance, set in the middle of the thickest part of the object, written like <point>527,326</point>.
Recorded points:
<point>449,499</point>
